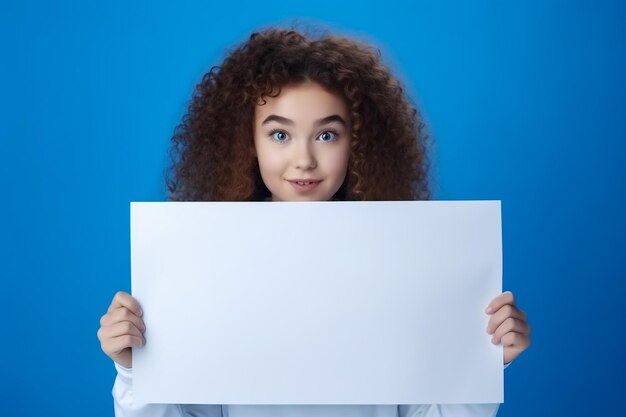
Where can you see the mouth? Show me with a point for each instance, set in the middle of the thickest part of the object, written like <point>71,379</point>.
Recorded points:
<point>304,185</point>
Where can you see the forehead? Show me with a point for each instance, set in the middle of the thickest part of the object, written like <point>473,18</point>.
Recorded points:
<point>306,101</point>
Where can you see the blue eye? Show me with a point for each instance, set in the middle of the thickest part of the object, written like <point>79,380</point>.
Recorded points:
<point>328,136</point>
<point>279,135</point>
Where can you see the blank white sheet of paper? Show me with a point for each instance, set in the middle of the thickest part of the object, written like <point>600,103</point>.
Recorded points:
<point>317,302</point>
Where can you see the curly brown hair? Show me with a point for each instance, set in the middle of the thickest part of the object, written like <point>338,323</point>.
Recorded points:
<point>212,148</point>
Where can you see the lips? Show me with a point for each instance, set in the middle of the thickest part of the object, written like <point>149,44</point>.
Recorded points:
<point>304,185</point>
<point>304,181</point>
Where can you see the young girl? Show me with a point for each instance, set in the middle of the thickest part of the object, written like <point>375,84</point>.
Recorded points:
<point>289,118</point>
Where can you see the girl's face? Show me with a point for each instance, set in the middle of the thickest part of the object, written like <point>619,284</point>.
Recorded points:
<point>302,142</point>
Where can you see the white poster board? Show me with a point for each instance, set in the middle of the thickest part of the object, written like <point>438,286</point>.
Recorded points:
<point>317,302</point>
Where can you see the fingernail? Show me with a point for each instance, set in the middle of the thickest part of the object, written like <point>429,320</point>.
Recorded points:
<point>488,310</point>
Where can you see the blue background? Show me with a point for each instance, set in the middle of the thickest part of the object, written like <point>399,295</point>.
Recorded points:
<point>525,101</point>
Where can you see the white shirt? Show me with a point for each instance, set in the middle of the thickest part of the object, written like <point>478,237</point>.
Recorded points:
<point>126,407</point>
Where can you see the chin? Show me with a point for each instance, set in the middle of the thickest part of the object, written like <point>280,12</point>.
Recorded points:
<point>317,197</point>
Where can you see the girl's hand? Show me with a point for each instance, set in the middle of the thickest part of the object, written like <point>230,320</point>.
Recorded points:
<point>122,327</point>
<point>508,325</point>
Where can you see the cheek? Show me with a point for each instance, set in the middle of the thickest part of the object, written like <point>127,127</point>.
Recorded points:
<point>338,161</point>
<point>269,159</point>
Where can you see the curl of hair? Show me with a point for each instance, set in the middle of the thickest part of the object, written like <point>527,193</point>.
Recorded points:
<point>212,148</point>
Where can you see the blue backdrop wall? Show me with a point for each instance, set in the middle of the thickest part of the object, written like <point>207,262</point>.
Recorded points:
<point>525,102</point>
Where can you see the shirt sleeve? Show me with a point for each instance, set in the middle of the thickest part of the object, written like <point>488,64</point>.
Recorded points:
<point>448,410</point>
<point>125,406</point>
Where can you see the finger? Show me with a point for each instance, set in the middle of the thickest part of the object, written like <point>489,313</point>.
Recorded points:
<point>502,314</point>
<point>123,299</point>
<point>122,314</point>
<point>515,340</point>
<point>501,300</point>
<point>118,344</point>
<point>510,325</point>
<point>117,330</point>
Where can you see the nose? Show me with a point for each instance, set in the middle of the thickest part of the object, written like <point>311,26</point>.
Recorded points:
<point>304,156</point>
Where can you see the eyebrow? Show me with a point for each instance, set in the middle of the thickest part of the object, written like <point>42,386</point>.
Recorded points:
<point>289,122</point>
